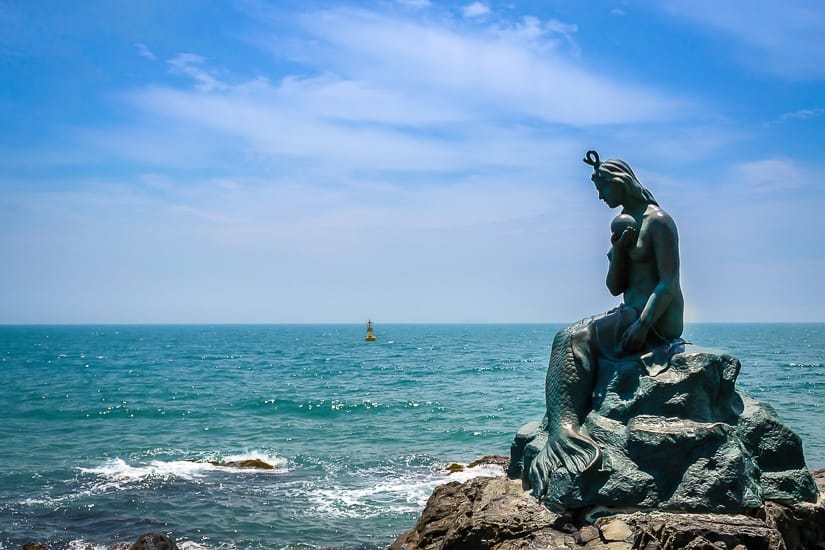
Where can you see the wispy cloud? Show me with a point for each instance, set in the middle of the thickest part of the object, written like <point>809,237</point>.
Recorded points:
<point>192,65</point>
<point>476,9</point>
<point>330,122</point>
<point>508,68</point>
<point>395,95</point>
<point>774,174</point>
<point>802,114</point>
<point>541,37</point>
<point>415,3</point>
<point>144,51</point>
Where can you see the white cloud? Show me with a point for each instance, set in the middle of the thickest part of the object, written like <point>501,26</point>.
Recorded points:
<point>770,175</point>
<point>327,122</point>
<point>507,71</point>
<point>394,95</point>
<point>144,51</point>
<point>415,3</point>
<point>802,114</point>
<point>191,65</point>
<point>539,37</point>
<point>476,9</point>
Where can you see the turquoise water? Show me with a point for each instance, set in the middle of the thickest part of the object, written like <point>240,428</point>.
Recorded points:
<point>107,430</point>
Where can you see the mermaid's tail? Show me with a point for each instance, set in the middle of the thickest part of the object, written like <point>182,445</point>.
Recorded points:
<point>566,454</point>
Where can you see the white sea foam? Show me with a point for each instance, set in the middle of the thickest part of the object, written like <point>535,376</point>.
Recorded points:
<point>118,470</point>
<point>482,470</point>
<point>192,545</point>
<point>48,501</point>
<point>79,544</point>
<point>117,473</point>
<point>278,464</point>
<point>405,493</point>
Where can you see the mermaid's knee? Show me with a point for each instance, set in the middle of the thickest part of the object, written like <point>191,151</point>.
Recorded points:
<point>578,334</point>
<point>581,338</point>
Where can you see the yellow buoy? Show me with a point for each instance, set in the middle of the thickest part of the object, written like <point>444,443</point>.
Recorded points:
<point>370,337</point>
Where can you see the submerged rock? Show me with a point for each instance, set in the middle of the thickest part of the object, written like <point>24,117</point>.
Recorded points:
<point>498,514</point>
<point>488,460</point>
<point>154,541</point>
<point>249,463</point>
<point>493,460</point>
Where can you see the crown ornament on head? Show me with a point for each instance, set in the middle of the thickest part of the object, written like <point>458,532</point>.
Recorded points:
<point>592,158</point>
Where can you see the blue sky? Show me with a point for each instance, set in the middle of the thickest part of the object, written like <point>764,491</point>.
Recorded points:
<point>406,161</point>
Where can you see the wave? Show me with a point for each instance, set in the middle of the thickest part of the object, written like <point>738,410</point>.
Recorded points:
<point>80,544</point>
<point>117,474</point>
<point>400,493</point>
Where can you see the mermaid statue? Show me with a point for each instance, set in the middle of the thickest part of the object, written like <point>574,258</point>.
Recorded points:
<point>637,418</point>
<point>644,268</point>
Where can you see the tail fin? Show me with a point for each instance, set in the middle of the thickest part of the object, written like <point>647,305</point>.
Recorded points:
<point>565,457</point>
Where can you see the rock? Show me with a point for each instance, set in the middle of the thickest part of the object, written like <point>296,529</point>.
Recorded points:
<point>249,463</point>
<point>495,460</point>
<point>154,541</point>
<point>705,531</point>
<point>588,533</point>
<point>498,514</point>
<point>676,434</point>
<point>35,546</point>
<point>483,513</point>
<point>802,526</point>
<point>615,530</point>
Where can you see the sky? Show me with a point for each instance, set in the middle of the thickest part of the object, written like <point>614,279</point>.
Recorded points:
<point>404,161</point>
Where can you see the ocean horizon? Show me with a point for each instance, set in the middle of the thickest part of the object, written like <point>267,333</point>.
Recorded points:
<point>110,429</point>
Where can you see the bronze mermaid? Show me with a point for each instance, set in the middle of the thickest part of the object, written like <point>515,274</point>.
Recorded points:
<point>644,268</point>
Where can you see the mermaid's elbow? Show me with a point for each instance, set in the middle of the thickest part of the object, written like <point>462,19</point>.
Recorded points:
<point>614,288</point>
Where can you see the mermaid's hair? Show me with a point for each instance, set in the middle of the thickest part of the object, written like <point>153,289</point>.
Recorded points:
<point>618,171</point>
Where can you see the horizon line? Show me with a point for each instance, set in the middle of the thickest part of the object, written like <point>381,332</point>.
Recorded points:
<point>359,323</point>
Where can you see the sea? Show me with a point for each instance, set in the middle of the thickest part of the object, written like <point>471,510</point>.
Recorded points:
<point>108,432</point>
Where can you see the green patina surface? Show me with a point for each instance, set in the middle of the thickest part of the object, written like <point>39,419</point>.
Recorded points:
<point>635,417</point>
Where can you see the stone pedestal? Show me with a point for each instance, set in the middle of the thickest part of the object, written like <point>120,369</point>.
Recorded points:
<point>675,433</point>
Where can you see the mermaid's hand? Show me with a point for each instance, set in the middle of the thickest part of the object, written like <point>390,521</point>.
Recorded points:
<point>625,239</point>
<point>635,337</point>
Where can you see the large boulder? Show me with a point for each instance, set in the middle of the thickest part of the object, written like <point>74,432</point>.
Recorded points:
<point>675,433</point>
<point>498,514</point>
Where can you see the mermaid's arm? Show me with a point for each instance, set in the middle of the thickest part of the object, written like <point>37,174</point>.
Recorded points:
<point>616,280</point>
<point>666,249</point>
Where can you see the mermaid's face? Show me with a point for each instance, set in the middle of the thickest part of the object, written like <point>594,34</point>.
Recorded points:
<point>610,191</point>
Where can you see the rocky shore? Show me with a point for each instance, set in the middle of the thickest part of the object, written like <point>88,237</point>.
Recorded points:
<point>496,513</point>
<point>147,541</point>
